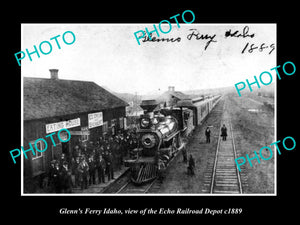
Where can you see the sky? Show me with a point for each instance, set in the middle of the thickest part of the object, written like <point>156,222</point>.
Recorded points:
<point>109,55</point>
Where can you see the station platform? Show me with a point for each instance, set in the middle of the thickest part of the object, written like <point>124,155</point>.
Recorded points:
<point>99,188</point>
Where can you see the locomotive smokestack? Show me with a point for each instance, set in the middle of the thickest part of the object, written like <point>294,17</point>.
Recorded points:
<point>148,105</point>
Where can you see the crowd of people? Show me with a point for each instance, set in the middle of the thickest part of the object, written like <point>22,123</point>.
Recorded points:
<point>90,162</point>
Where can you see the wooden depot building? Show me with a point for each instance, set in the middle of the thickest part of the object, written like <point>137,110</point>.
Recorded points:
<point>87,110</point>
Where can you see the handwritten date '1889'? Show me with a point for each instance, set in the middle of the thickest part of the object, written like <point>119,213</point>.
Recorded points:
<point>261,48</point>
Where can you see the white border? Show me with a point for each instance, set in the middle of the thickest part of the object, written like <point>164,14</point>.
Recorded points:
<point>165,194</point>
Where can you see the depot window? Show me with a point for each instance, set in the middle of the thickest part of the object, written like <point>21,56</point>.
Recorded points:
<point>39,145</point>
<point>105,127</point>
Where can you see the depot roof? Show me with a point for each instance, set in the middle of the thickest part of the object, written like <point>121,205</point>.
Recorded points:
<point>56,97</point>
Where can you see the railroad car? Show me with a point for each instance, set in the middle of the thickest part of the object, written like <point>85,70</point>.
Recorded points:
<point>161,135</point>
<point>203,106</point>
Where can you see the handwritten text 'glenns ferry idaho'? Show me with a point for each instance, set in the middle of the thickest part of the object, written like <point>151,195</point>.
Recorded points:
<point>209,39</point>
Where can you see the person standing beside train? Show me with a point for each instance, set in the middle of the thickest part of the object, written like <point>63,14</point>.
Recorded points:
<point>207,134</point>
<point>92,170</point>
<point>191,166</point>
<point>101,169</point>
<point>184,154</point>
<point>109,164</point>
<point>224,132</point>
<point>53,176</point>
<point>83,169</point>
<point>65,178</point>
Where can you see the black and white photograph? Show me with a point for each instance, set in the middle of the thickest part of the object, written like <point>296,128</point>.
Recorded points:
<point>158,109</point>
<point>144,113</point>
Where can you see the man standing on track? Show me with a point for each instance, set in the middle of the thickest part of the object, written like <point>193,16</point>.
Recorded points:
<point>224,132</point>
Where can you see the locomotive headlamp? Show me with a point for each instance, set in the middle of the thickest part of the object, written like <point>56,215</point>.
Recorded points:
<point>145,122</point>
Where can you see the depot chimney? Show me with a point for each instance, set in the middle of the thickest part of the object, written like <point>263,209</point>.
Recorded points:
<point>171,88</point>
<point>54,74</point>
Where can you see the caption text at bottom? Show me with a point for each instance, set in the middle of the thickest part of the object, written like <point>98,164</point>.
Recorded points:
<point>150,211</point>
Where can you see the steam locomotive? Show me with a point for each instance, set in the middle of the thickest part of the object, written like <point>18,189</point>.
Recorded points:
<point>161,135</point>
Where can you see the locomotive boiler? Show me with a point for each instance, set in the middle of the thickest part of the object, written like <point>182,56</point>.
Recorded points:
<point>160,134</point>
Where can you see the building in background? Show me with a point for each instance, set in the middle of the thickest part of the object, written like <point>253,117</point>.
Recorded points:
<point>171,97</point>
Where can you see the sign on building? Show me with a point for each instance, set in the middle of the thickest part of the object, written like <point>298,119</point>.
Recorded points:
<point>79,132</point>
<point>52,127</point>
<point>95,119</point>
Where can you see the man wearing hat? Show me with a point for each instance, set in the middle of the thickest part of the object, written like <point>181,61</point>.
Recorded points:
<point>191,166</point>
<point>83,169</point>
<point>207,134</point>
<point>224,132</point>
<point>101,168</point>
<point>51,176</point>
<point>65,177</point>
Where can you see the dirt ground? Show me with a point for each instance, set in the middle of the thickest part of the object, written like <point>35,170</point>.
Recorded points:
<point>254,130</point>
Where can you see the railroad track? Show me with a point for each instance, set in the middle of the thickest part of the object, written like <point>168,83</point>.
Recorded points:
<point>118,183</point>
<point>226,177</point>
<point>124,185</point>
<point>222,175</point>
<point>131,188</point>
